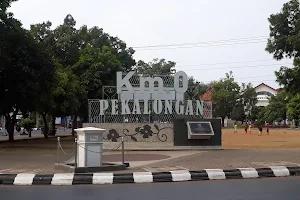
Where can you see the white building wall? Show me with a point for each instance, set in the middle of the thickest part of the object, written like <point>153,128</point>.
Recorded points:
<point>263,100</point>
<point>264,88</point>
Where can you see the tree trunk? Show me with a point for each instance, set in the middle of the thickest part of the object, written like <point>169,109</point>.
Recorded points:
<point>29,134</point>
<point>9,126</point>
<point>223,122</point>
<point>74,125</point>
<point>284,121</point>
<point>53,131</point>
<point>46,127</point>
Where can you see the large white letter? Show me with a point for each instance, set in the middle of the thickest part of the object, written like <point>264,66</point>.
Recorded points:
<point>168,107</point>
<point>157,107</point>
<point>103,106</point>
<point>199,107</point>
<point>124,81</point>
<point>189,108</point>
<point>151,82</point>
<point>146,108</point>
<point>114,107</point>
<point>136,107</point>
<point>185,82</point>
<point>179,108</point>
<point>125,107</point>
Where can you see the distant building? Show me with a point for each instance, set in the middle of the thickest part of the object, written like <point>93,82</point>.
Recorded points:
<point>264,93</point>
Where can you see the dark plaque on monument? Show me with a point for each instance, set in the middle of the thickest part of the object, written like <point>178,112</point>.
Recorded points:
<point>199,129</point>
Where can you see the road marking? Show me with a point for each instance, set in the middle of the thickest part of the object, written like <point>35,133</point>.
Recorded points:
<point>103,178</point>
<point>24,179</point>
<point>215,174</point>
<point>142,177</point>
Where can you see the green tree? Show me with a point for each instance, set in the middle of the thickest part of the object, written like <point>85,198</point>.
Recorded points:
<point>42,33</point>
<point>238,112</point>
<point>249,98</point>
<point>65,95</point>
<point>63,44</point>
<point>195,89</point>
<point>28,125</point>
<point>97,67</point>
<point>156,67</point>
<point>293,108</point>
<point>77,49</point>
<point>284,42</point>
<point>4,4</point>
<point>277,108</point>
<point>225,94</point>
<point>257,113</point>
<point>67,41</point>
<point>25,68</point>
<point>96,37</point>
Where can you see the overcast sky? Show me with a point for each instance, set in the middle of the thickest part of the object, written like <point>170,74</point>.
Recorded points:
<point>161,22</point>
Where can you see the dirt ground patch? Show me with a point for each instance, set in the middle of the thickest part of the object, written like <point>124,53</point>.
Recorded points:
<point>278,138</point>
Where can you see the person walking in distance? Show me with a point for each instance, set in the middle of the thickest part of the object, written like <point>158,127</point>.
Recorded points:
<point>246,128</point>
<point>235,128</point>
<point>249,128</point>
<point>268,127</point>
<point>260,127</point>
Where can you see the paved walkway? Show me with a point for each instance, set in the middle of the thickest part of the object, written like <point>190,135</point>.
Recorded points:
<point>227,159</point>
<point>42,161</point>
<point>39,157</point>
<point>154,146</point>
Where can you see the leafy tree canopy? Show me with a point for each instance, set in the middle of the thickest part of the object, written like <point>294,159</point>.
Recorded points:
<point>156,67</point>
<point>225,94</point>
<point>293,108</point>
<point>238,112</point>
<point>284,42</point>
<point>248,96</point>
<point>97,67</point>
<point>25,69</point>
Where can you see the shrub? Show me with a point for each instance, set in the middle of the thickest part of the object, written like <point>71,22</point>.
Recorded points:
<point>292,126</point>
<point>28,125</point>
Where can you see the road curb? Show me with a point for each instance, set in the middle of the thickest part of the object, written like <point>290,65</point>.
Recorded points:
<point>147,177</point>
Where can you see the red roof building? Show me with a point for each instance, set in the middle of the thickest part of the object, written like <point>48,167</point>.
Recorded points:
<point>264,92</point>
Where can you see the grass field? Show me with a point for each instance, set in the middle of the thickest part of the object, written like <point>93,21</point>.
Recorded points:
<point>278,138</point>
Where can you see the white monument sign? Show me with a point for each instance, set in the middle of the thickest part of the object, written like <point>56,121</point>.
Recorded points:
<point>156,86</point>
<point>121,81</point>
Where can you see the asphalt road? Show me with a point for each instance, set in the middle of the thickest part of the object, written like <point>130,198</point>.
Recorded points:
<point>255,189</point>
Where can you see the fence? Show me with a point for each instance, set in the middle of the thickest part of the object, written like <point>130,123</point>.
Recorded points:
<point>166,81</point>
<point>95,117</point>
